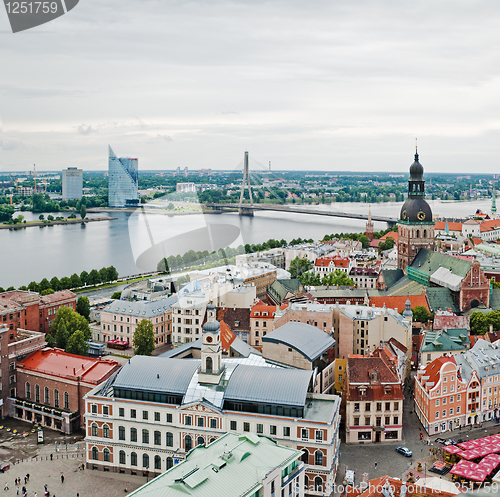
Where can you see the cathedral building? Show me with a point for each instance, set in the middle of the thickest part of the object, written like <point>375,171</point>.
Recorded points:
<point>415,225</point>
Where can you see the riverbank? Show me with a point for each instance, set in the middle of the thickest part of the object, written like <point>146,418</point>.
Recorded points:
<point>31,224</point>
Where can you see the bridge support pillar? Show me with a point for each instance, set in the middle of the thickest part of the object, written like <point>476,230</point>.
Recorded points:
<point>391,224</point>
<point>245,211</point>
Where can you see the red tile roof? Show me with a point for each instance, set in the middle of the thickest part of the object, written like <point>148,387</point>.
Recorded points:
<point>57,362</point>
<point>434,367</point>
<point>261,307</point>
<point>359,368</point>
<point>337,261</point>
<point>57,297</point>
<point>452,226</point>
<point>398,302</point>
<point>226,335</point>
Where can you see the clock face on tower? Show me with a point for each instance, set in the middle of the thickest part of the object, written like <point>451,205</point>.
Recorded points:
<point>209,339</point>
<point>421,215</point>
<point>403,214</point>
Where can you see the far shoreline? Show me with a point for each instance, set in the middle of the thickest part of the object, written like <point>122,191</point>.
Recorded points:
<point>41,224</point>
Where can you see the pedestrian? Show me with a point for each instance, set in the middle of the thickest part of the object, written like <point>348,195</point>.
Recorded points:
<point>51,457</point>
<point>28,475</point>
<point>62,478</point>
<point>25,480</point>
<point>6,486</point>
<point>17,491</point>
<point>375,465</point>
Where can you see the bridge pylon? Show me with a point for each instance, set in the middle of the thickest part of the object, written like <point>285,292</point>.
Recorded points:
<point>245,211</point>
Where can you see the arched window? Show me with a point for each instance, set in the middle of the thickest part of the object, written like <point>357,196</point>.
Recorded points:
<point>200,441</point>
<point>157,462</point>
<point>157,438</point>
<point>121,432</point>
<point>66,400</point>
<point>305,456</point>
<point>425,233</point>
<point>318,484</point>
<point>105,454</point>
<point>133,459</point>
<point>145,436</point>
<point>306,482</point>
<point>212,440</point>
<point>95,454</point>
<point>188,443</point>
<point>56,398</point>
<point>170,462</point>
<point>37,393</point>
<point>94,429</point>
<point>209,364</point>
<point>46,396</point>
<point>318,458</point>
<point>170,439</point>
<point>133,434</point>
<point>418,233</point>
<point>105,431</point>
<point>28,390</point>
<point>145,461</point>
<point>122,457</point>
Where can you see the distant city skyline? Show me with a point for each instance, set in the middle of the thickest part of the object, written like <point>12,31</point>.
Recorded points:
<point>329,86</point>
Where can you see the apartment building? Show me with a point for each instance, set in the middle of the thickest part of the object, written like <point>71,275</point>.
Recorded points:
<point>155,410</point>
<point>120,319</point>
<point>374,401</point>
<point>365,277</point>
<point>188,314</point>
<point>442,342</point>
<point>441,396</point>
<point>327,265</point>
<point>262,317</point>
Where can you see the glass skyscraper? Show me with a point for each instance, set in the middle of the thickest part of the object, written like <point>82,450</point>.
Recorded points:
<point>72,183</point>
<point>123,181</point>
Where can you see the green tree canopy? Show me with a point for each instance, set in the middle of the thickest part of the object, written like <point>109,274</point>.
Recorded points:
<point>72,321</point>
<point>94,277</point>
<point>83,307</point>
<point>62,335</point>
<point>48,291</point>
<point>116,295</point>
<point>77,344</point>
<point>144,341</point>
<point>493,319</point>
<point>6,212</point>
<point>75,281</point>
<point>478,323</point>
<point>421,314</point>
<point>83,211</point>
<point>339,278</point>
<point>112,273</point>
<point>299,266</point>
<point>55,284</point>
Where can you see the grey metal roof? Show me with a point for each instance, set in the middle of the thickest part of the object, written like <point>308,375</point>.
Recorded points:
<point>242,348</point>
<point>308,340</point>
<point>157,373</point>
<point>144,309</point>
<point>174,352</point>
<point>268,385</point>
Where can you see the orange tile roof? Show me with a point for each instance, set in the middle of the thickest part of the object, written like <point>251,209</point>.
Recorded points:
<point>476,241</point>
<point>337,261</point>
<point>399,301</point>
<point>57,296</point>
<point>261,307</point>
<point>452,226</point>
<point>226,335</point>
<point>434,367</point>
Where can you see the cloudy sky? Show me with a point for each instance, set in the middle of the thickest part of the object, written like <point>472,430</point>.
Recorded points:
<point>310,84</point>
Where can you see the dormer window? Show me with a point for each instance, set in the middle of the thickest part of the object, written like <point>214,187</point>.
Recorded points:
<point>387,390</point>
<point>362,391</point>
<point>373,376</point>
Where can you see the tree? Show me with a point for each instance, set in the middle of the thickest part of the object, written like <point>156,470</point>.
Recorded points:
<point>144,340</point>
<point>49,291</point>
<point>83,211</point>
<point>44,285</point>
<point>112,273</point>
<point>76,282</point>
<point>84,277</point>
<point>339,278</point>
<point>77,344</point>
<point>299,266</point>
<point>421,314</point>
<point>103,273</point>
<point>65,283</point>
<point>365,241</point>
<point>493,319</point>
<point>388,244</point>
<point>6,212</point>
<point>55,284</point>
<point>94,277</point>
<point>72,321</point>
<point>478,324</point>
<point>62,335</point>
<point>83,307</point>
<point>117,295</point>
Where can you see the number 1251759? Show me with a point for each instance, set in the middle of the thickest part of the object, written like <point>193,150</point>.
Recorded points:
<point>31,7</point>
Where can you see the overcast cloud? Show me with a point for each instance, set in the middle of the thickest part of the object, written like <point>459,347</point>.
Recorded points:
<point>323,85</point>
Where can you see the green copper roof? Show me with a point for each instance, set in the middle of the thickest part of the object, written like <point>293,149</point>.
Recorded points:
<point>428,262</point>
<point>440,298</point>
<point>233,465</point>
<point>450,340</point>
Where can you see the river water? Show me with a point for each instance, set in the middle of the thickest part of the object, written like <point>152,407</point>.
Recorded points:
<point>133,246</point>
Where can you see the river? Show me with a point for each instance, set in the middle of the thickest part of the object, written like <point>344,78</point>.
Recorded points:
<point>35,253</point>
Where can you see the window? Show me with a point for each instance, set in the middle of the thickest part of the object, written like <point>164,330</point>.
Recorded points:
<point>145,461</point>
<point>246,426</point>
<point>188,443</point>
<point>145,414</point>
<point>437,402</point>
<point>66,400</point>
<point>121,433</point>
<point>356,421</point>
<point>387,406</point>
<point>437,414</point>
<point>368,420</point>
<point>396,406</point>
<point>169,417</point>
<point>95,454</point>
<point>170,439</point>
<point>121,412</point>
<point>318,458</point>
<point>122,457</point>
<point>105,454</point>
<point>319,435</point>
<point>157,438</point>
<point>133,434</point>
<point>187,420</point>
<point>458,397</point>
<point>379,406</point>
<point>356,407</point>
<point>105,431</point>
<point>46,396</point>
<point>458,409</point>
<point>444,413</point>
<point>94,429</point>
<point>396,420</point>
<point>157,416</point>
<point>157,462</point>
<point>304,433</point>
<point>93,409</point>
<point>286,431</point>
<point>213,423</point>
<point>133,459</point>
<point>451,412</point>
<point>233,425</point>
<point>28,390</point>
<point>272,430</point>
<point>105,410</point>
<point>200,441</point>
<point>170,462</point>
<point>260,428</point>
<point>133,413</point>
<point>145,436</point>
<point>37,393</point>
<point>56,398</point>
<point>201,421</point>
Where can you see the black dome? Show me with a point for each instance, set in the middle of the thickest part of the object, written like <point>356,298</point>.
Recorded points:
<point>211,326</point>
<point>416,210</point>
<point>416,170</point>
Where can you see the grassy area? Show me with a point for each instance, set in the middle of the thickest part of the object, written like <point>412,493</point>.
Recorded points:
<point>123,356</point>
<point>110,285</point>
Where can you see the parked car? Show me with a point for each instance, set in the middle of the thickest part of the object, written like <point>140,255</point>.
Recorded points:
<point>405,451</point>
<point>4,467</point>
<point>440,440</point>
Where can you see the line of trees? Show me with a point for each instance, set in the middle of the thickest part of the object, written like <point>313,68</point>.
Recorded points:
<point>301,268</point>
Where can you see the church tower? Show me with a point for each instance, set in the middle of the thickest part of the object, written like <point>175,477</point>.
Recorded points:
<point>369,226</point>
<point>211,350</point>
<point>415,225</point>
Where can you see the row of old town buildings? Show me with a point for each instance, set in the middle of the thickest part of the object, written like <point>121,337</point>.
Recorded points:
<point>247,356</point>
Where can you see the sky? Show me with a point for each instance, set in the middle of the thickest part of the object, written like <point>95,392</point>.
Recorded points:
<point>325,85</point>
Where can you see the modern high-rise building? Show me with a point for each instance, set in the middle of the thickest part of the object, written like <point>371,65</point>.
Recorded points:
<point>123,181</point>
<point>72,183</point>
